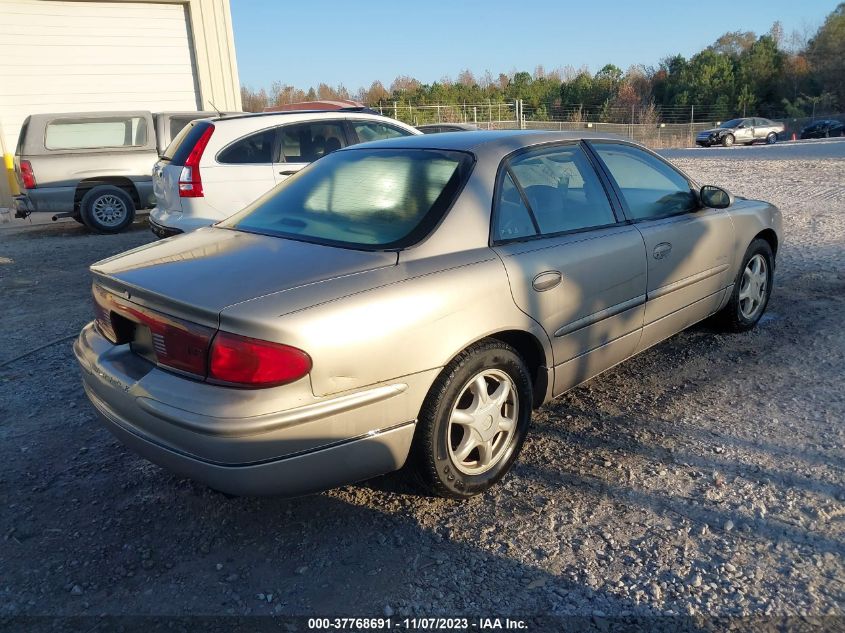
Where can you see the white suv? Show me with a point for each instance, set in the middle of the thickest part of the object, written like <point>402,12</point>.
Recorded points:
<point>215,167</point>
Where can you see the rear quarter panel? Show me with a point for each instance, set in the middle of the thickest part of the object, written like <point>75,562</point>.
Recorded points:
<point>389,323</point>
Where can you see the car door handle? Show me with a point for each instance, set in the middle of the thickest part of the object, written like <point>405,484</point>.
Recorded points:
<point>662,250</point>
<point>287,172</point>
<point>547,280</point>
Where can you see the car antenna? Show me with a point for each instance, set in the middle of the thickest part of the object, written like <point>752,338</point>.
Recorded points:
<point>220,114</point>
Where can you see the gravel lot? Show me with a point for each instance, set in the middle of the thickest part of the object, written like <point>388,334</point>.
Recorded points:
<point>705,477</point>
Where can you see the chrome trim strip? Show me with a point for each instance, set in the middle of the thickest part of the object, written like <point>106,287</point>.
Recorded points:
<point>239,427</point>
<point>595,317</point>
<point>686,281</point>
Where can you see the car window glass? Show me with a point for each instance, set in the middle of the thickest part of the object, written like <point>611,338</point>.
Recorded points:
<point>381,198</point>
<point>96,133</point>
<point>178,123</point>
<point>562,189</point>
<point>651,188</point>
<point>372,131</point>
<point>254,149</point>
<point>306,142</point>
<point>513,220</point>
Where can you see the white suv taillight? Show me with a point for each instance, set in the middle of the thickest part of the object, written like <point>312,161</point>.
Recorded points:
<point>190,181</point>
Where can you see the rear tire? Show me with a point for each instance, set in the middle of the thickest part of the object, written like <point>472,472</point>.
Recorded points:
<point>107,209</point>
<point>473,421</point>
<point>752,289</point>
<point>728,140</point>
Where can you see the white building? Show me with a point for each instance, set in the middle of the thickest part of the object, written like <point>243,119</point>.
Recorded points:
<point>82,55</point>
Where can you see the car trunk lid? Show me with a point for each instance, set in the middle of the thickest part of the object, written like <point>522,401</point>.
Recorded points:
<point>198,275</point>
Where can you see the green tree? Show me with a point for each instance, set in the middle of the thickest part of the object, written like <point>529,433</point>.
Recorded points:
<point>826,53</point>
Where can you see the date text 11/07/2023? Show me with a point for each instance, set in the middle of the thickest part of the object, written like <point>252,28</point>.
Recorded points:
<point>417,624</point>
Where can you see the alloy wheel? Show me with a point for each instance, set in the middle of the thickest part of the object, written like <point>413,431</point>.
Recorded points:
<point>483,422</point>
<point>109,210</point>
<point>753,287</point>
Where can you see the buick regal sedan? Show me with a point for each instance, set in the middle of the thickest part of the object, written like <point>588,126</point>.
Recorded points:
<point>410,302</point>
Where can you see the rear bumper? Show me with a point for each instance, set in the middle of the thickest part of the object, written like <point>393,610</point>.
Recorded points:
<point>44,199</point>
<point>319,469</point>
<point>174,222</point>
<point>229,444</point>
<point>163,231</point>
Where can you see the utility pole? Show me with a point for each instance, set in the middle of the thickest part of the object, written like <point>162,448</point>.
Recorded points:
<point>691,124</point>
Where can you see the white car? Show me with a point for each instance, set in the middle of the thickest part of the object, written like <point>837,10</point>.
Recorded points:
<point>215,167</point>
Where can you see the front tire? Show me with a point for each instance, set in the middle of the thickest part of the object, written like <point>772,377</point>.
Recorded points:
<point>107,209</point>
<point>473,421</point>
<point>752,289</point>
<point>771,139</point>
<point>728,140</point>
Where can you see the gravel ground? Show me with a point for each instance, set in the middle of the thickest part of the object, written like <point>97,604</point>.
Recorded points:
<point>705,477</point>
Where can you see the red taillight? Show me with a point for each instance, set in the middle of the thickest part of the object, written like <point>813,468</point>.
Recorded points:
<point>27,175</point>
<point>254,363</point>
<point>190,181</point>
<point>172,342</point>
<point>195,349</point>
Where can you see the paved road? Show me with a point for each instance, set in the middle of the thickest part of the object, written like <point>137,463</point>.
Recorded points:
<point>790,150</point>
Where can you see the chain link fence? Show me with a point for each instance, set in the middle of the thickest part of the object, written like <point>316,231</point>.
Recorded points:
<point>650,126</point>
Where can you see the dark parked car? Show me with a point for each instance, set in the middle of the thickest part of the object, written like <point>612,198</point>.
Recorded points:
<point>825,128</point>
<point>746,130</point>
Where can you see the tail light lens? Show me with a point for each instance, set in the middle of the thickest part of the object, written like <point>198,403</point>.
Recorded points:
<point>202,352</point>
<point>254,363</point>
<point>27,175</point>
<point>172,342</point>
<point>190,180</point>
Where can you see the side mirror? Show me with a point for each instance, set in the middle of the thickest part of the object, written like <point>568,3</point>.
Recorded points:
<point>715,197</point>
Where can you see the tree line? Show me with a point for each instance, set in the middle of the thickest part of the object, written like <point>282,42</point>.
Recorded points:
<point>771,75</point>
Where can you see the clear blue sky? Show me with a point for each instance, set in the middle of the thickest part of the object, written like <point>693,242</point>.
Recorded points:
<point>303,43</point>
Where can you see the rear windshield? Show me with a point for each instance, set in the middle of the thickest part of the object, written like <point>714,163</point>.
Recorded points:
<point>178,123</point>
<point>364,198</point>
<point>184,142</point>
<point>91,133</point>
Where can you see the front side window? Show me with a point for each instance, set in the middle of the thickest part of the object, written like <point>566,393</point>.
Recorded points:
<point>306,142</point>
<point>367,199</point>
<point>107,132</point>
<point>371,131</point>
<point>650,187</point>
<point>561,188</point>
<point>255,149</point>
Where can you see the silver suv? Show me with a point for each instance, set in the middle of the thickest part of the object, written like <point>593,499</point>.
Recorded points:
<point>93,166</point>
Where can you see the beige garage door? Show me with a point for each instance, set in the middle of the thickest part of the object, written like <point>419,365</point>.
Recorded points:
<point>66,56</point>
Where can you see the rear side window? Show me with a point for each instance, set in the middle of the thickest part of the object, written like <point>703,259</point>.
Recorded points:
<point>255,149</point>
<point>369,199</point>
<point>561,189</point>
<point>306,142</point>
<point>179,148</point>
<point>651,188</point>
<point>371,131</point>
<point>96,133</point>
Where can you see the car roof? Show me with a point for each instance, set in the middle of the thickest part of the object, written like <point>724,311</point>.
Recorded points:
<point>319,114</point>
<point>477,140</point>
